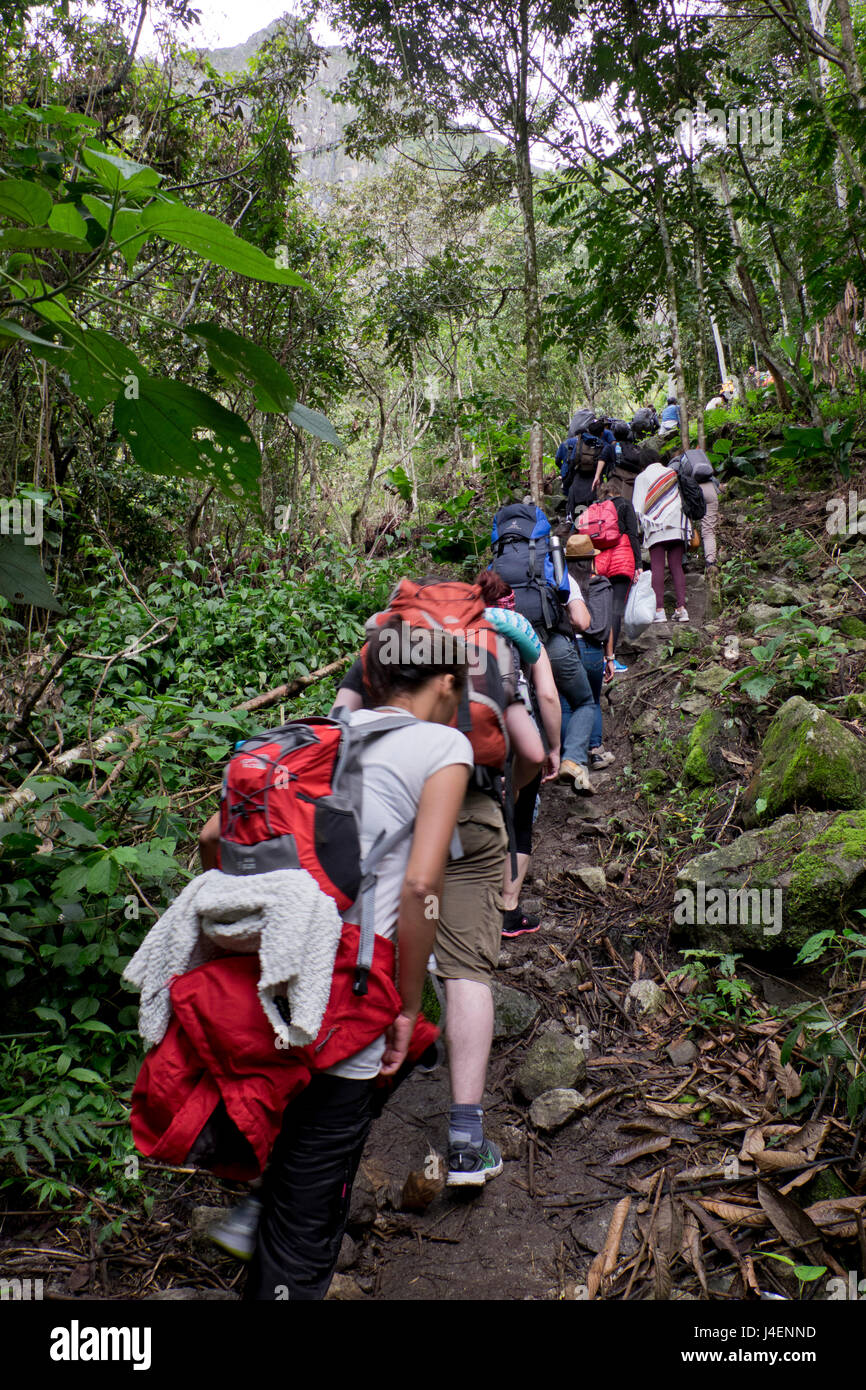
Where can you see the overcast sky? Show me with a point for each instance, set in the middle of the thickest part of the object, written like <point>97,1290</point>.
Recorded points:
<point>225,23</point>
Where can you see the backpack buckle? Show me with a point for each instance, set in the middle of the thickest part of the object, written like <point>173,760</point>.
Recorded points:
<point>361,974</point>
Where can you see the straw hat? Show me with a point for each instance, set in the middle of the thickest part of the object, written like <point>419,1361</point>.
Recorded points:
<point>579,547</point>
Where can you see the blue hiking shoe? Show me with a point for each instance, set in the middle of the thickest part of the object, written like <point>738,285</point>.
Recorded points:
<point>473,1167</point>
<point>619,669</point>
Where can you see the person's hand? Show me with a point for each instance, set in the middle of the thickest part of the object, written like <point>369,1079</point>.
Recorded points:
<point>397,1039</point>
<point>608,669</point>
<point>551,766</point>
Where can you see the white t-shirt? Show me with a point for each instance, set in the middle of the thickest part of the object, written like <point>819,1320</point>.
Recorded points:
<point>395,767</point>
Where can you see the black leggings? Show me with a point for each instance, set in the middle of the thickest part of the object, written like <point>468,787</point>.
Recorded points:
<point>524,809</point>
<point>307,1190</point>
<point>620,583</point>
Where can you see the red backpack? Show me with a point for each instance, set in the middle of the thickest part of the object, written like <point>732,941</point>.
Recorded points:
<point>291,799</point>
<point>452,607</point>
<point>601,523</point>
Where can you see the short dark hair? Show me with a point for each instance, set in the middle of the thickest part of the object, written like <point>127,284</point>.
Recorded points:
<point>423,655</point>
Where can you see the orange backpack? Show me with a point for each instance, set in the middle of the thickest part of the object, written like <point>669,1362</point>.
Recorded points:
<point>452,607</point>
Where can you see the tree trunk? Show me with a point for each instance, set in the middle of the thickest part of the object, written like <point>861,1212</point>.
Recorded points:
<point>699,280</point>
<point>720,351</point>
<point>530,265</point>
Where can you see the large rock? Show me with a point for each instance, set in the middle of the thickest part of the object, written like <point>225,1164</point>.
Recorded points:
<point>711,679</point>
<point>807,759</point>
<point>761,615</point>
<point>776,886</point>
<point>513,1011</point>
<point>555,1108</point>
<point>704,763</point>
<point>553,1062</point>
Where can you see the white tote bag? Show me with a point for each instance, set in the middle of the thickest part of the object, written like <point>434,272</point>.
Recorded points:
<point>640,608</point>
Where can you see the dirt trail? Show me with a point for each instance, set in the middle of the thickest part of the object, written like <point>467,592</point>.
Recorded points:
<point>533,1231</point>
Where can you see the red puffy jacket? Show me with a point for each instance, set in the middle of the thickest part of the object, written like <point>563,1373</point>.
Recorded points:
<point>617,559</point>
<point>220,1047</point>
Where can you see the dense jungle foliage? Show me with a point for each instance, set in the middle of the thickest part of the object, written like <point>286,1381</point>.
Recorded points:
<point>239,411</point>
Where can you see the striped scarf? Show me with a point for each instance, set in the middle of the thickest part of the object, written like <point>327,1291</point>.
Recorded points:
<point>662,508</point>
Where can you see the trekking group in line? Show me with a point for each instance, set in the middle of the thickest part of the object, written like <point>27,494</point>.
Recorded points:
<point>356,853</point>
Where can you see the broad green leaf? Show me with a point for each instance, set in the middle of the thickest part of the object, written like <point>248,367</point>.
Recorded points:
<point>23,201</point>
<point>759,687</point>
<point>22,578</point>
<point>65,217</point>
<point>722,447</point>
<point>212,239</point>
<point>100,367</point>
<point>103,876</point>
<point>177,430</point>
<point>116,173</point>
<point>98,208</point>
<point>126,224</point>
<point>28,239</point>
<point>314,422</point>
<point>236,358</point>
<point>8,329</point>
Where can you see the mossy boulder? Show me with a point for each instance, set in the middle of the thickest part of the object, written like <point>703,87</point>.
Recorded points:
<point>851,627</point>
<point>759,615</point>
<point>685,639</point>
<point>711,679</point>
<point>704,763</point>
<point>807,759</point>
<point>780,594</point>
<point>775,887</point>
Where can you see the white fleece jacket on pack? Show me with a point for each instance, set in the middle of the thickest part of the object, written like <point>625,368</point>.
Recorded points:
<point>284,916</point>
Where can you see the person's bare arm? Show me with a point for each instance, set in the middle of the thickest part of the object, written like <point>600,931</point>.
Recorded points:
<point>579,614</point>
<point>526,743</point>
<point>209,841</point>
<point>348,698</point>
<point>550,710</point>
<point>418,915</point>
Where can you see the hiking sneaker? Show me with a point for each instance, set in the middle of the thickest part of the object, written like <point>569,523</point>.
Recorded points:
<point>599,758</point>
<point>681,615</point>
<point>236,1231</point>
<point>661,616</point>
<point>472,1167</point>
<point>516,923</point>
<point>619,669</point>
<point>567,771</point>
<point>582,784</point>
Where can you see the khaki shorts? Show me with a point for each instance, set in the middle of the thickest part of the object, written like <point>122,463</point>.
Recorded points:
<point>470,917</point>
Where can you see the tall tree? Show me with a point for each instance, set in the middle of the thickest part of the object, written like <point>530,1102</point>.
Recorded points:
<point>476,68</point>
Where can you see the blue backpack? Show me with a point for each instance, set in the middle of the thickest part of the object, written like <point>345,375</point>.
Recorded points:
<point>521,556</point>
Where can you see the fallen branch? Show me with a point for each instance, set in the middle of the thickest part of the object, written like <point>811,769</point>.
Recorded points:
<point>24,795</point>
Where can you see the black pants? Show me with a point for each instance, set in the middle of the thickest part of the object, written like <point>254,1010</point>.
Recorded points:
<point>620,584</point>
<point>307,1190</point>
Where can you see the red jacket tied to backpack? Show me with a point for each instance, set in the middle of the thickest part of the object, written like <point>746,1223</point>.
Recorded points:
<point>220,1048</point>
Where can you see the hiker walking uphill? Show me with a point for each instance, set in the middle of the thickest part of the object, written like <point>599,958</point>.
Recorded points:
<point>620,462</point>
<point>577,458</point>
<point>521,555</point>
<point>666,531</point>
<point>468,933</point>
<point>694,464</point>
<point>279,1040</point>
<point>537,689</point>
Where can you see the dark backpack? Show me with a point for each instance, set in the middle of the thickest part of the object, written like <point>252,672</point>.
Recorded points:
<point>521,556</point>
<point>579,422</point>
<point>693,463</point>
<point>645,421</point>
<point>629,458</point>
<point>693,500</point>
